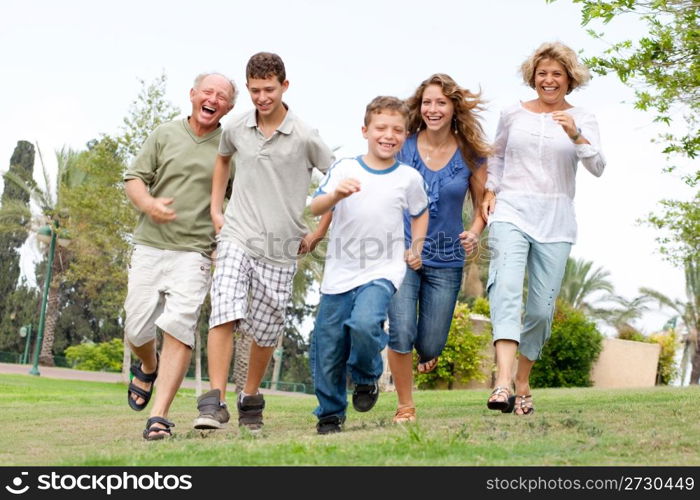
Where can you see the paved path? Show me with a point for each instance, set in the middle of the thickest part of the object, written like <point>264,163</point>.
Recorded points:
<point>70,374</point>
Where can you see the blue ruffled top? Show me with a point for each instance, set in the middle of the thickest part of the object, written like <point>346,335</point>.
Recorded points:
<point>446,189</point>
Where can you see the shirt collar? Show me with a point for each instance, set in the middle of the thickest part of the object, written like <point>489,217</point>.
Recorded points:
<point>285,127</point>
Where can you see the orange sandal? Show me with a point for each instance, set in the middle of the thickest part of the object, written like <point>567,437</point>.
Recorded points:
<point>405,414</point>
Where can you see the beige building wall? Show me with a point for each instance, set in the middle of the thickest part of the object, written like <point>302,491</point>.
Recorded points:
<point>626,363</point>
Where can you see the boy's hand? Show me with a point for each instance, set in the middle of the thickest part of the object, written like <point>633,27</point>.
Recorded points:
<point>309,242</point>
<point>218,220</point>
<point>469,241</point>
<point>159,212</point>
<point>412,259</point>
<point>346,187</point>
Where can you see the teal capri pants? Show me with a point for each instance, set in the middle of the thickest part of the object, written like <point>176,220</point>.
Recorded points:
<point>513,251</point>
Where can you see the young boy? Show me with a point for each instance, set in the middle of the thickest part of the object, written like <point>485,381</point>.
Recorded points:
<point>260,235</point>
<point>365,262</point>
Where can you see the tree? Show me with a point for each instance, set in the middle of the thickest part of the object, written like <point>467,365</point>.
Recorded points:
<point>689,314</point>
<point>663,67</point>
<point>100,222</point>
<point>147,111</point>
<point>52,211</point>
<point>13,217</point>
<point>18,304</point>
<point>622,317</point>
<point>580,282</point>
<point>679,225</point>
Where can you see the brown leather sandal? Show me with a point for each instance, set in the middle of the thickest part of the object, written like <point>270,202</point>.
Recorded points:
<point>523,402</point>
<point>405,414</point>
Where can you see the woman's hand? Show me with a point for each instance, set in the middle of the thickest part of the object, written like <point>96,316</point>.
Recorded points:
<point>488,205</point>
<point>469,241</point>
<point>567,122</point>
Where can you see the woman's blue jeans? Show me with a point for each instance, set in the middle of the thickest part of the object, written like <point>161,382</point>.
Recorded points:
<point>513,251</point>
<point>421,312</point>
<point>348,334</point>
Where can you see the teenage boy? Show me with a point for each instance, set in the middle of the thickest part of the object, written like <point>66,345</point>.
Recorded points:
<point>170,269</point>
<point>260,235</point>
<point>365,261</point>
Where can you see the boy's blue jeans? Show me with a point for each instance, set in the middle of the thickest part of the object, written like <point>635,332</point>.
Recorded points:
<point>348,334</point>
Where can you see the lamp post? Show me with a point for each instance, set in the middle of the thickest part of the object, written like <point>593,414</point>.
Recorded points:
<point>26,331</point>
<point>44,233</point>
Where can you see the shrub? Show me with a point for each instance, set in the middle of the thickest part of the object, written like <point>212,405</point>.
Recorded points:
<point>569,354</point>
<point>105,356</point>
<point>666,370</point>
<point>462,358</point>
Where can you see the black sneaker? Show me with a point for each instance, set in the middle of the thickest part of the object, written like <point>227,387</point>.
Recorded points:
<point>250,411</point>
<point>330,424</point>
<point>213,414</point>
<point>365,396</point>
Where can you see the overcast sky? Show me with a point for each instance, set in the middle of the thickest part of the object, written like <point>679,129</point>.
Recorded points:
<point>70,70</point>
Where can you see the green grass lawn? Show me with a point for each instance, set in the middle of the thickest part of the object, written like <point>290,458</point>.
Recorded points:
<point>65,422</point>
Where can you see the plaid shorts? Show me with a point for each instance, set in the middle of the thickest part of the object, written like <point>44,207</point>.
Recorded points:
<point>250,290</point>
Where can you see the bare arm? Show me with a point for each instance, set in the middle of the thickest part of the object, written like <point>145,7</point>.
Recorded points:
<point>312,239</point>
<point>470,238</point>
<point>219,181</point>
<point>419,228</point>
<point>155,208</point>
<point>324,202</point>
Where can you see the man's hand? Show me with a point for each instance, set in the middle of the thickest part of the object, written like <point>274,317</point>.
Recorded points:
<point>413,259</point>
<point>159,212</point>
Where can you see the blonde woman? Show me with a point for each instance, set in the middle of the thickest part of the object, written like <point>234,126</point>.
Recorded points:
<point>529,205</point>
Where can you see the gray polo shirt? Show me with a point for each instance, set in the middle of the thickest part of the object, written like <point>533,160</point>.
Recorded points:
<point>270,186</point>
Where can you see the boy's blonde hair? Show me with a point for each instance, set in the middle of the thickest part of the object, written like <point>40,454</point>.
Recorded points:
<point>385,103</point>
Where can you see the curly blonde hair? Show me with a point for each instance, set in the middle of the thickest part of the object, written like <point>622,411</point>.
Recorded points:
<point>469,132</point>
<point>556,51</point>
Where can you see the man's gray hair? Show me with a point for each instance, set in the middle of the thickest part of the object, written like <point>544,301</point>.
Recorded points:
<point>202,76</point>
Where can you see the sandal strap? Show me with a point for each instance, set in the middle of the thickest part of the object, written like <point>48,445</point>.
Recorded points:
<point>159,420</point>
<point>406,411</point>
<point>137,372</point>
<point>500,390</point>
<point>144,394</point>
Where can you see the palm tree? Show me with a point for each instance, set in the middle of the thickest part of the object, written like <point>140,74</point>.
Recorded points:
<point>689,314</point>
<point>52,209</point>
<point>580,282</point>
<point>622,317</point>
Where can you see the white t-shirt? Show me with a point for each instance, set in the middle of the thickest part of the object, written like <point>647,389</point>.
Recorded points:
<point>367,235</point>
<point>533,171</point>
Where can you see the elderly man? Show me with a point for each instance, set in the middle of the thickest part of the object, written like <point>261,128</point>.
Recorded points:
<point>170,271</point>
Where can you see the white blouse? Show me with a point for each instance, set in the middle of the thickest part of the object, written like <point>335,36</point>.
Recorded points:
<point>533,171</point>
